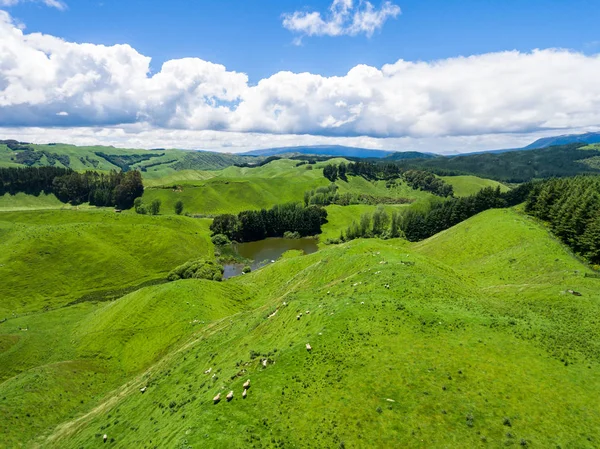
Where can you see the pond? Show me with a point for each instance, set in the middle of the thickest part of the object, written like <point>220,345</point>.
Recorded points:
<point>266,251</point>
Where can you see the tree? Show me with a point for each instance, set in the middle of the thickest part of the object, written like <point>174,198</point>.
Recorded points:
<point>380,221</point>
<point>155,207</point>
<point>179,207</point>
<point>330,171</point>
<point>342,172</point>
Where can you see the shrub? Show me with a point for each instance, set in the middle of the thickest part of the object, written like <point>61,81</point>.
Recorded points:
<point>220,240</point>
<point>197,269</point>
<point>179,207</point>
<point>247,269</point>
<point>291,235</point>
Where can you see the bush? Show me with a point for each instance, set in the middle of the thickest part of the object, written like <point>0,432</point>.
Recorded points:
<point>179,207</point>
<point>291,235</point>
<point>220,240</point>
<point>197,269</point>
<point>247,269</point>
<point>155,207</point>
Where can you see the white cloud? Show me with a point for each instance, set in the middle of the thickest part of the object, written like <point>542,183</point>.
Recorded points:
<point>346,17</point>
<point>46,81</point>
<point>51,3</point>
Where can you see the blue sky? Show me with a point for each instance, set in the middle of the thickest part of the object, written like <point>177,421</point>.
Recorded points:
<point>249,37</point>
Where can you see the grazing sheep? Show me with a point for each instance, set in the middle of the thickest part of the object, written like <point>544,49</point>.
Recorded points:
<point>247,384</point>
<point>217,398</point>
<point>264,363</point>
<point>105,437</point>
<point>230,396</point>
<point>208,370</point>
<point>244,394</point>
<point>308,312</point>
<point>143,390</point>
<point>298,317</point>
<point>308,347</point>
<point>573,292</point>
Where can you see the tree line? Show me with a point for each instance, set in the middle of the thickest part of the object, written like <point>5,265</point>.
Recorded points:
<point>418,225</point>
<point>252,225</point>
<point>572,208</point>
<point>386,171</point>
<point>99,189</point>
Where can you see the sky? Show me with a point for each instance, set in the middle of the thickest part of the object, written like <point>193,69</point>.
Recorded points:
<point>234,75</point>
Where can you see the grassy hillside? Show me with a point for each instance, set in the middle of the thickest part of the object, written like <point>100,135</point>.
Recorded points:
<point>475,343</point>
<point>470,185</point>
<point>51,258</point>
<point>158,162</point>
<point>70,358</point>
<point>235,189</point>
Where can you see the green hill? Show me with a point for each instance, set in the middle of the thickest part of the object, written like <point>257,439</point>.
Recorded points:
<point>470,185</point>
<point>235,189</point>
<point>51,258</point>
<point>158,162</point>
<point>467,339</point>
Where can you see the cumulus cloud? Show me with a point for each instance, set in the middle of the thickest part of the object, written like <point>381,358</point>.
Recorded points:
<point>46,81</point>
<point>51,3</point>
<point>345,17</point>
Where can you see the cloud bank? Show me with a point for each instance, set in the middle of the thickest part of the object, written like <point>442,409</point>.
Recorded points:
<point>48,82</point>
<point>346,17</point>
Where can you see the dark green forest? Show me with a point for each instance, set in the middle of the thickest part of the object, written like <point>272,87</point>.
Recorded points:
<point>252,225</point>
<point>572,208</point>
<point>514,166</point>
<point>99,189</point>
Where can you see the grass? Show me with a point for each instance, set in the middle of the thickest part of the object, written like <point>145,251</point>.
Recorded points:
<point>22,201</point>
<point>235,189</point>
<point>470,185</point>
<point>474,328</point>
<point>51,258</point>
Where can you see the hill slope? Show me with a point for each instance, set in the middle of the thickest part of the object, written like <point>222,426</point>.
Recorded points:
<point>466,338</point>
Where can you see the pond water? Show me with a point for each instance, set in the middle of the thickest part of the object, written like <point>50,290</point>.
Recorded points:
<point>266,251</point>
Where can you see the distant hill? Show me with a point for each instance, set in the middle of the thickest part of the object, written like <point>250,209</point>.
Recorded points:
<point>588,138</point>
<point>336,150</point>
<point>516,165</point>
<point>103,158</point>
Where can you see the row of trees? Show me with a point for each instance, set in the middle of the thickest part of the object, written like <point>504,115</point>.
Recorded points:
<point>30,180</point>
<point>253,225</point>
<point>417,179</point>
<point>99,189</point>
<point>428,182</point>
<point>418,225</point>
<point>379,224</point>
<point>572,207</point>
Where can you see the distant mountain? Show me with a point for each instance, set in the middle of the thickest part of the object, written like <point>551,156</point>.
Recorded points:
<point>336,150</point>
<point>565,139</point>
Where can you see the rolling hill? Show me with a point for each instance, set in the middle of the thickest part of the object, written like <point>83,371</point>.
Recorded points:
<point>466,339</point>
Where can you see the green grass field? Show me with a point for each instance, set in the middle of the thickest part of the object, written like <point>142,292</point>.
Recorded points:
<point>470,185</point>
<point>467,339</point>
<point>22,201</point>
<point>51,258</point>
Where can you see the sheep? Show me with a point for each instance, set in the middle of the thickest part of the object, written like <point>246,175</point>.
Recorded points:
<point>308,312</point>
<point>143,390</point>
<point>105,438</point>
<point>230,396</point>
<point>217,398</point>
<point>247,384</point>
<point>308,347</point>
<point>208,370</point>
<point>573,292</point>
<point>264,362</point>
<point>244,394</point>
